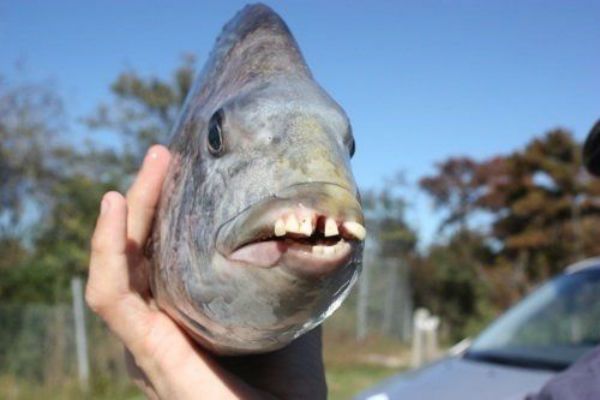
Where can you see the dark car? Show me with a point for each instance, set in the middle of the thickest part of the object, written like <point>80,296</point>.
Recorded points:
<point>540,336</point>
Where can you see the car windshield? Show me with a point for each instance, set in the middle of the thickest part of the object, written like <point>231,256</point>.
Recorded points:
<point>549,329</point>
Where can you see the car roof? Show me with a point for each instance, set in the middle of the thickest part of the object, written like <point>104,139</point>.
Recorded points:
<point>588,263</point>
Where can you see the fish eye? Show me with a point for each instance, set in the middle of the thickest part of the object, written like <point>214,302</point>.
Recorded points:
<point>215,134</point>
<point>352,148</point>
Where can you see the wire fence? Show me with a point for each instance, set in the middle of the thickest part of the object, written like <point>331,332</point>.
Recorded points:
<point>43,354</point>
<point>38,355</point>
<point>380,304</point>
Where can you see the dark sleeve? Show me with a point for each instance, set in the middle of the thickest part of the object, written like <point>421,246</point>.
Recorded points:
<point>580,382</point>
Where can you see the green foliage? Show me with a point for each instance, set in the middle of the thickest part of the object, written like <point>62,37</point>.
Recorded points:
<point>59,186</point>
<point>449,281</point>
<point>385,212</point>
<point>144,109</point>
<point>30,118</point>
<point>60,245</point>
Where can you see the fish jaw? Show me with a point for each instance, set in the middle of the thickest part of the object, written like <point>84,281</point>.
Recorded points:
<point>255,320</point>
<point>308,229</point>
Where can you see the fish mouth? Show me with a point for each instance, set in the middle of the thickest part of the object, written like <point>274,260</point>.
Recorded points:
<point>309,229</point>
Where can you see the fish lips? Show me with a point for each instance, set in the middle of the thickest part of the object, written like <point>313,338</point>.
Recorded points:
<point>250,238</point>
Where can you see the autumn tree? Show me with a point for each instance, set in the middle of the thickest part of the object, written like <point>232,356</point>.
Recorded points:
<point>542,203</point>
<point>543,213</point>
<point>454,189</point>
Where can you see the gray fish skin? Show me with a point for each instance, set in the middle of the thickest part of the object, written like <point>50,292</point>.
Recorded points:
<point>287,149</point>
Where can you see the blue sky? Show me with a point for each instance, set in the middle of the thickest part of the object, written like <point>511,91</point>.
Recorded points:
<point>420,80</point>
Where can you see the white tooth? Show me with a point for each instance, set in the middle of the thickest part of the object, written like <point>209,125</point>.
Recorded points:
<point>291,225</point>
<point>328,250</point>
<point>279,227</point>
<point>317,250</point>
<point>336,247</point>
<point>306,227</point>
<point>355,229</point>
<point>331,228</point>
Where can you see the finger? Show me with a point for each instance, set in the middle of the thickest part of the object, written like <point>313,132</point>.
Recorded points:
<point>108,275</point>
<point>143,196</point>
<point>108,292</point>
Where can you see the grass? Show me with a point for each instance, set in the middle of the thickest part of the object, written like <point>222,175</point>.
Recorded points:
<point>350,368</point>
<point>353,366</point>
<point>345,382</point>
<point>12,388</point>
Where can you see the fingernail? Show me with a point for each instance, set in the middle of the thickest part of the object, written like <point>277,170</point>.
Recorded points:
<point>104,206</point>
<point>152,154</point>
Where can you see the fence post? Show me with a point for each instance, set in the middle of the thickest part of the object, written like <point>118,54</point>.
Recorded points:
<point>431,326</point>
<point>362,305</point>
<point>425,339</point>
<point>83,362</point>
<point>406,305</point>
<point>419,316</point>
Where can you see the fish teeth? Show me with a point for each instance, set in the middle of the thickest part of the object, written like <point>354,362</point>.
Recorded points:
<point>328,250</point>
<point>280,227</point>
<point>318,250</point>
<point>292,225</point>
<point>306,227</point>
<point>355,229</point>
<point>331,228</point>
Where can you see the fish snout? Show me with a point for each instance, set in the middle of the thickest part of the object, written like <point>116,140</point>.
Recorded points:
<point>310,230</point>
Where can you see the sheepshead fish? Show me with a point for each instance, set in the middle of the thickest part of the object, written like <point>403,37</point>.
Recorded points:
<point>259,230</point>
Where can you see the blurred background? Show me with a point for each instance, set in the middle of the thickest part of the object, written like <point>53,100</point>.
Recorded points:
<point>468,117</point>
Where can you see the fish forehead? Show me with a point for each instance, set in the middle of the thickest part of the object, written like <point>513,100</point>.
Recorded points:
<point>282,97</point>
<point>293,130</point>
<point>255,45</point>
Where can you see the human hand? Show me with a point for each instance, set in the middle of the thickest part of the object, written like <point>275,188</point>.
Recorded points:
<point>163,361</point>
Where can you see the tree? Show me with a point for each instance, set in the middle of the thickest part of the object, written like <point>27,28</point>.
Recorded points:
<point>385,211</point>
<point>544,214</point>
<point>56,186</point>
<point>450,280</point>
<point>31,116</point>
<point>393,244</point>
<point>539,205</point>
<point>143,110</point>
<point>454,188</point>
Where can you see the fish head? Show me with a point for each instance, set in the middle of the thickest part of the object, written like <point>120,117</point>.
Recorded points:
<point>260,228</point>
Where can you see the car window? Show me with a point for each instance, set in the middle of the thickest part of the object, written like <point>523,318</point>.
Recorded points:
<point>551,328</point>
